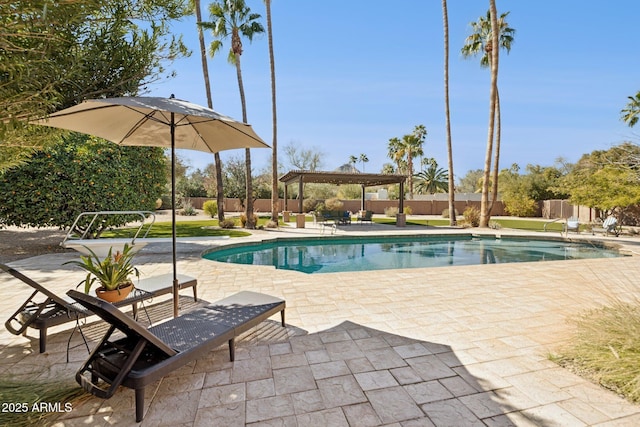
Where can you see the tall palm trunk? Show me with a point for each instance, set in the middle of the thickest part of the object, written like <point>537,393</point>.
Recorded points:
<point>496,157</point>
<point>250,224</point>
<point>274,146</point>
<point>207,86</point>
<point>445,24</point>
<point>484,202</point>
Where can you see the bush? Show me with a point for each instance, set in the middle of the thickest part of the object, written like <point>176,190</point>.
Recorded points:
<point>227,223</point>
<point>391,211</point>
<point>334,204</point>
<point>210,207</point>
<point>309,204</point>
<point>407,210</point>
<point>472,216</point>
<point>519,205</point>
<point>243,219</point>
<point>188,209</point>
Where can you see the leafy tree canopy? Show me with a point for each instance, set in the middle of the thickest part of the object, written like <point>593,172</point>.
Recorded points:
<point>79,174</point>
<point>55,54</point>
<point>606,179</point>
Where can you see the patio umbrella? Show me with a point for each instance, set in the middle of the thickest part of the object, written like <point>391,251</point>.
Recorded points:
<point>157,122</point>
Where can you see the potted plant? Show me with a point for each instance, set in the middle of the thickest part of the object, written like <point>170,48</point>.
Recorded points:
<point>113,273</point>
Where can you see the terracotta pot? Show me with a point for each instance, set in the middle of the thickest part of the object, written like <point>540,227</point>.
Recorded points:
<point>115,295</point>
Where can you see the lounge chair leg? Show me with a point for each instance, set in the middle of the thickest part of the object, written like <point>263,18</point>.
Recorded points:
<point>43,340</point>
<point>232,349</point>
<point>195,294</point>
<point>139,404</point>
<point>282,316</point>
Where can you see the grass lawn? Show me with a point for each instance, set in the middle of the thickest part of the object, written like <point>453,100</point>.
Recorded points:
<point>183,229</point>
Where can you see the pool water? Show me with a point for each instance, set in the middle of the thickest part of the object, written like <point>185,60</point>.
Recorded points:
<point>330,255</point>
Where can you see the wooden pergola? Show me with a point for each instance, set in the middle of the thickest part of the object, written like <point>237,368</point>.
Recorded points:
<point>301,177</point>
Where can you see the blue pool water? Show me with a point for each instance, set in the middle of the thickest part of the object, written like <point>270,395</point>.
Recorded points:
<point>338,254</point>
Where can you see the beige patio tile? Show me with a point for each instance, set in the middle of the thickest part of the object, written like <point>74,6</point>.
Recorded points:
<point>268,408</point>
<point>222,395</point>
<point>449,413</point>
<point>393,404</point>
<point>293,380</point>
<point>329,369</point>
<point>340,391</point>
<point>361,415</point>
<point>307,401</point>
<point>260,388</point>
<point>375,380</point>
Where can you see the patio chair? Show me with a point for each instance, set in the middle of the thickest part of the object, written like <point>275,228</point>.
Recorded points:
<point>44,309</point>
<point>610,225</point>
<point>365,216</point>
<point>143,356</point>
<point>573,224</point>
<point>41,310</point>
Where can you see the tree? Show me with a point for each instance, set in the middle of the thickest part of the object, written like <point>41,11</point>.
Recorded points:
<point>352,162</point>
<point>97,49</point>
<point>274,146</point>
<point>606,180</point>
<point>630,113</point>
<point>471,182</point>
<point>233,19</point>
<point>482,41</point>
<point>450,186</point>
<point>207,87</point>
<point>432,180</point>
<point>363,159</point>
<point>404,150</point>
<point>77,174</point>
<point>303,159</point>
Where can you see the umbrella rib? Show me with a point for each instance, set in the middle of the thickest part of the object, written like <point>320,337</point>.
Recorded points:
<point>194,125</point>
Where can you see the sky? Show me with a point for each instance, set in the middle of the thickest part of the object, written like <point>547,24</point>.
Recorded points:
<point>350,75</point>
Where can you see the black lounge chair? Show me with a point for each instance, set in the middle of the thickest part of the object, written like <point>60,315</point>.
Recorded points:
<point>143,356</point>
<point>44,309</point>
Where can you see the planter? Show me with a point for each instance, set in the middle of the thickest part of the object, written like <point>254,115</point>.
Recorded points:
<point>115,295</point>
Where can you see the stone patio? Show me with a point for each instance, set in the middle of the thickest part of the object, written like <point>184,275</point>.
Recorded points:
<point>449,346</point>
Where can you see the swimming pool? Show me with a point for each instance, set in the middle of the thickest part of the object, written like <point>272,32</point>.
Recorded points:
<point>340,254</point>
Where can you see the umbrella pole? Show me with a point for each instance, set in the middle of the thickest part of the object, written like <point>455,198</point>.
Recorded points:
<point>176,295</point>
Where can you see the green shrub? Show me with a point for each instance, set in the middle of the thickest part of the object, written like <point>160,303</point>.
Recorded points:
<point>210,207</point>
<point>472,216</point>
<point>407,210</point>
<point>519,205</point>
<point>227,223</point>
<point>188,209</point>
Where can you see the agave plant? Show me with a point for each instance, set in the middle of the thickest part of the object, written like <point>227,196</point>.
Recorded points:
<point>111,272</point>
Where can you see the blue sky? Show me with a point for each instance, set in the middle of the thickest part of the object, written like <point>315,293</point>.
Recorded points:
<point>353,74</point>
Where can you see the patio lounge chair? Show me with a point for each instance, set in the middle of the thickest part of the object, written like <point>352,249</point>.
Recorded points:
<point>41,310</point>
<point>143,356</point>
<point>44,309</point>
<point>365,216</point>
<point>610,225</point>
<point>572,224</point>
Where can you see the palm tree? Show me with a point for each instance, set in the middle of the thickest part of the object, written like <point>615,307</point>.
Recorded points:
<point>363,159</point>
<point>207,86</point>
<point>450,177</point>
<point>352,161</point>
<point>404,150</point>
<point>493,95</point>
<point>480,41</point>
<point>274,145</point>
<point>432,180</point>
<point>630,113</point>
<point>233,19</point>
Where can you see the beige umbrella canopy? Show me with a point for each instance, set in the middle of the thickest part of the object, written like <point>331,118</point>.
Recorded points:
<point>157,122</point>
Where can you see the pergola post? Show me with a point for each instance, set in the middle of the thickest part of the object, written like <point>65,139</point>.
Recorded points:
<point>363,194</point>
<point>286,197</point>
<point>401,198</point>
<point>300,194</point>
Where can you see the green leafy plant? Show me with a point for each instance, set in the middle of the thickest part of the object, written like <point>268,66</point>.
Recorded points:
<point>210,207</point>
<point>111,272</point>
<point>472,216</point>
